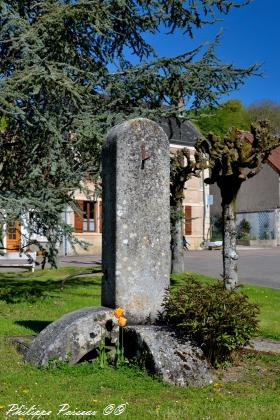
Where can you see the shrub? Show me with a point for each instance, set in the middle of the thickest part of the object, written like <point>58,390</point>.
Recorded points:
<point>243,229</point>
<point>219,320</point>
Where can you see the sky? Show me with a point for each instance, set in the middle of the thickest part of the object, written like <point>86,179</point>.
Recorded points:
<point>251,34</point>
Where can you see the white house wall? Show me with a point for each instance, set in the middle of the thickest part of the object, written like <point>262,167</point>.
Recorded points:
<point>93,239</point>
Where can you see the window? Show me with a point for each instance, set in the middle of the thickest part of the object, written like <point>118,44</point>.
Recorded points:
<point>12,231</point>
<point>87,221</point>
<point>188,220</point>
<point>88,216</point>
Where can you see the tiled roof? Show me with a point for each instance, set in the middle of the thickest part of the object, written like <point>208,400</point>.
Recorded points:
<point>274,159</point>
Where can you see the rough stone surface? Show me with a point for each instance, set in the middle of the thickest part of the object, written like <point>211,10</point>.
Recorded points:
<point>136,236</point>
<point>73,336</point>
<point>264,346</point>
<point>22,343</point>
<point>176,361</point>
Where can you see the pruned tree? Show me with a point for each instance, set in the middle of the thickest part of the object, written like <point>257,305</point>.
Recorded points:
<point>182,167</point>
<point>68,73</point>
<point>238,156</point>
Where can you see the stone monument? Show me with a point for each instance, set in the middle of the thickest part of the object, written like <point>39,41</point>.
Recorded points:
<point>136,265</point>
<point>136,234</point>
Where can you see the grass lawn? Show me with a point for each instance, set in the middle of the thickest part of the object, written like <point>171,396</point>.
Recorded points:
<point>29,301</point>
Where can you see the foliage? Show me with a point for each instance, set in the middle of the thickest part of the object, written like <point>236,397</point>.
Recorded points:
<point>243,229</point>
<point>120,359</point>
<point>266,298</point>
<point>220,321</point>
<point>106,355</point>
<point>219,120</point>
<point>232,113</point>
<point>268,110</point>
<point>68,73</point>
<point>102,355</point>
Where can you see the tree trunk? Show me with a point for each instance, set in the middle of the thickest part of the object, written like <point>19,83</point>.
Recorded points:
<point>177,250</point>
<point>230,256</point>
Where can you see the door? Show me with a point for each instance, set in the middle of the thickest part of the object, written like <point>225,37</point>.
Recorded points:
<point>13,237</point>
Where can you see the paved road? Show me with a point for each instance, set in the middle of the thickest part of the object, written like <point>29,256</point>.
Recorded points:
<point>260,266</point>
<point>82,261</point>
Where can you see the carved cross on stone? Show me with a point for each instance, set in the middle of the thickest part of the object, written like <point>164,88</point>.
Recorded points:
<point>144,157</point>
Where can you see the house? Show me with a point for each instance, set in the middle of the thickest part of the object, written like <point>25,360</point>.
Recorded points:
<point>88,225</point>
<point>196,207</point>
<point>258,201</point>
<point>88,222</point>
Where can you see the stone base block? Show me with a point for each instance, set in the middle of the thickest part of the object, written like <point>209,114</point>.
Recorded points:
<point>73,336</point>
<point>157,348</point>
<point>161,352</point>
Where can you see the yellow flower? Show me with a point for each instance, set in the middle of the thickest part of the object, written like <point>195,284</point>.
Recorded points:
<point>122,321</point>
<point>1,407</point>
<point>119,312</point>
